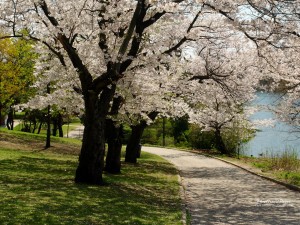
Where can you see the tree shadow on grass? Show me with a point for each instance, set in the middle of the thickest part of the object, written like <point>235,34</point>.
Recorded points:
<point>42,191</point>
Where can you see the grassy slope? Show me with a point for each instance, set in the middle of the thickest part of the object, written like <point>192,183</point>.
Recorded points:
<point>36,187</point>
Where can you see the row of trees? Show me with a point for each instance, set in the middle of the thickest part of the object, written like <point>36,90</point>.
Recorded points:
<point>134,61</point>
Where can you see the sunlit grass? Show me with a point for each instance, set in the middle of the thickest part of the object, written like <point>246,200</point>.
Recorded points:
<point>288,160</point>
<point>29,137</point>
<point>284,166</point>
<point>36,187</point>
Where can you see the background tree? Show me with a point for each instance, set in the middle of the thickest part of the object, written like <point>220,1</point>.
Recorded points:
<point>16,71</point>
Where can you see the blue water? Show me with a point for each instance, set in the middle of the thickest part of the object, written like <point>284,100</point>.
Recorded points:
<point>274,139</point>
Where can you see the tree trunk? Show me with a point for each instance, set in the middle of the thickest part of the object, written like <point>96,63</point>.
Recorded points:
<point>164,131</point>
<point>48,119</point>
<point>91,159</point>
<point>60,125</point>
<point>133,145</point>
<point>134,142</point>
<point>48,137</point>
<point>34,126</point>
<point>219,142</point>
<point>114,135</point>
<point>54,129</point>
<point>40,127</point>
<point>114,141</point>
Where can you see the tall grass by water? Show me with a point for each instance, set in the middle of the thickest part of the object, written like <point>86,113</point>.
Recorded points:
<point>287,160</point>
<point>284,165</point>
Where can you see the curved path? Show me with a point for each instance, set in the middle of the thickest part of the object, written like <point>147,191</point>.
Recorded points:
<point>219,193</point>
<point>76,133</point>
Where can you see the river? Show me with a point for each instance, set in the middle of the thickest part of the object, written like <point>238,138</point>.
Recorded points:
<point>269,139</point>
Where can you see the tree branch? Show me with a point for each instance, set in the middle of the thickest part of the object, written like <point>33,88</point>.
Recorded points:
<point>184,39</point>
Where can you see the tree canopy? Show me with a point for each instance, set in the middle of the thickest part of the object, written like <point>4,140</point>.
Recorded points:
<point>17,58</point>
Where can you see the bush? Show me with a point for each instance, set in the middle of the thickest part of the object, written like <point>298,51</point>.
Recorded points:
<point>232,141</point>
<point>169,140</point>
<point>150,136</point>
<point>200,139</point>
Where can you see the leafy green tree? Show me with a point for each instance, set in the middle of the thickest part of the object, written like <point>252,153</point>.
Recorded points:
<point>180,127</point>
<point>16,73</point>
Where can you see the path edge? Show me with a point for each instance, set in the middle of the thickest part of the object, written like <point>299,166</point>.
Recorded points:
<point>289,186</point>
<point>182,193</point>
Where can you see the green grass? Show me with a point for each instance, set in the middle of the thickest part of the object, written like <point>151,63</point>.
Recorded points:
<point>36,187</point>
<point>30,137</point>
<point>290,177</point>
<point>72,126</point>
<point>284,166</point>
<point>188,217</point>
<point>286,161</point>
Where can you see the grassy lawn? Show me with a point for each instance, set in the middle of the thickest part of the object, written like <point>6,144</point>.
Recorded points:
<point>36,187</point>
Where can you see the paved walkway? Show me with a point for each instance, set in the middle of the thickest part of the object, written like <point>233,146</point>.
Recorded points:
<point>76,133</point>
<point>218,193</point>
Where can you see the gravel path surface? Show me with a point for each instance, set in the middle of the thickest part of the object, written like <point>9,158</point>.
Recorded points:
<point>219,193</point>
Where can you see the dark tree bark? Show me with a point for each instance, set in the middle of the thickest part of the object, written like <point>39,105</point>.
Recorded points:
<point>54,129</point>
<point>48,138</point>
<point>91,156</point>
<point>220,145</point>
<point>134,141</point>
<point>40,127</point>
<point>60,123</point>
<point>114,141</point>
<point>34,122</point>
<point>114,135</point>
<point>57,125</point>
<point>132,148</point>
<point>91,159</point>
<point>164,131</point>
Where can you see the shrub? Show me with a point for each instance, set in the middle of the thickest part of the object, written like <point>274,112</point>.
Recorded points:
<point>200,139</point>
<point>150,136</point>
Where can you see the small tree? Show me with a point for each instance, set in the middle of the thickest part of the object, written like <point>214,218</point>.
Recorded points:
<point>16,75</point>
